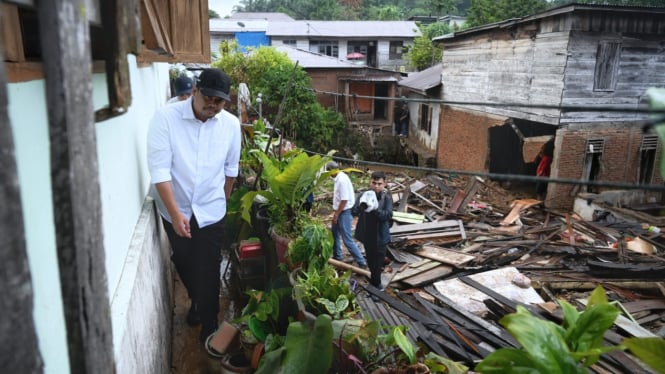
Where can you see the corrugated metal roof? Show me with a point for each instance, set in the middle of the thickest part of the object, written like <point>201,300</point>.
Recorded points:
<point>347,29</point>
<point>423,80</point>
<point>231,26</point>
<point>568,8</point>
<point>310,60</point>
<point>270,16</point>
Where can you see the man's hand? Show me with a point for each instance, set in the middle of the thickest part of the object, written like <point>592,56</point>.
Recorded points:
<point>181,226</point>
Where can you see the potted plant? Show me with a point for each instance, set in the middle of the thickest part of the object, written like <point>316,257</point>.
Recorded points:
<point>313,247</point>
<point>290,181</point>
<point>323,291</point>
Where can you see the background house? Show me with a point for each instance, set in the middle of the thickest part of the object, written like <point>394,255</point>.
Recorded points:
<point>575,56</point>
<point>249,29</point>
<point>88,286</point>
<point>378,44</point>
<point>424,115</point>
<point>336,81</point>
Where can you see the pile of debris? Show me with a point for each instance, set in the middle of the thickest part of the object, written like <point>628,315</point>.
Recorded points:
<point>467,252</point>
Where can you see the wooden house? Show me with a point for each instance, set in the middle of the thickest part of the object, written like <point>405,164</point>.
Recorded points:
<point>422,90</point>
<point>577,73</point>
<point>336,82</point>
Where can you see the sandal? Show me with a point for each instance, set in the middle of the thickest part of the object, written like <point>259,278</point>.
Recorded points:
<point>211,351</point>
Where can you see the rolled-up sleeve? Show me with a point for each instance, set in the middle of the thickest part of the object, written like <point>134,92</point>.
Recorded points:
<point>159,150</point>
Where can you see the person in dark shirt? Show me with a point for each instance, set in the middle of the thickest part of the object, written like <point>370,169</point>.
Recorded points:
<point>375,212</point>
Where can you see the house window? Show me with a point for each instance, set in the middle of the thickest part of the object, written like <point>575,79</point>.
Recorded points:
<point>647,158</point>
<point>607,66</point>
<point>290,42</point>
<point>426,118</point>
<point>324,47</point>
<point>592,156</point>
<point>395,52</point>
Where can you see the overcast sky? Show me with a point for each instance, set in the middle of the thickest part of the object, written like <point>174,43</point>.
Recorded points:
<point>222,7</point>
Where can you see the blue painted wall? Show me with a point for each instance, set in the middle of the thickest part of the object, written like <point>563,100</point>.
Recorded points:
<point>253,39</point>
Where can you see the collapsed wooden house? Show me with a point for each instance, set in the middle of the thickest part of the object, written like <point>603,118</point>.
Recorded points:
<point>466,252</point>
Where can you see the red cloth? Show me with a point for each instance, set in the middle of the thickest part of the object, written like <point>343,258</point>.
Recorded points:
<point>543,169</point>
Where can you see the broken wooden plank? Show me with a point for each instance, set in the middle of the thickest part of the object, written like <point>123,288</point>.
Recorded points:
<point>410,218</point>
<point>641,305</point>
<point>401,207</point>
<point>345,266</point>
<point>469,193</point>
<point>428,276</point>
<point>445,255</point>
<point>414,270</point>
<point>456,202</point>
<point>627,325</point>
<point>451,224</point>
<point>486,325</point>
<point>517,207</point>
<point>438,182</point>
<point>403,256</point>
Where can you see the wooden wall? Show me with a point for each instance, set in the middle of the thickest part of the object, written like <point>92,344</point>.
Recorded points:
<point>551,61</point>
<point>503,67</point>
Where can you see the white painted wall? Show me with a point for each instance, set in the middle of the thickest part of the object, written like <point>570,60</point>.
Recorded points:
<point>123,180</point>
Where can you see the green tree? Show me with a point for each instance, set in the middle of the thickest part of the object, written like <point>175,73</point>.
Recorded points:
<point>424,53</point>
<point>442,6</point>
<point>385,13</point>
<point>212,14</point>
<point>275,76</point>
<point>483,12</point>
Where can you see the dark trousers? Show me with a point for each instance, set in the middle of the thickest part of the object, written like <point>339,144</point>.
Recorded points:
<point>197,262</point>
<point>375,257</point>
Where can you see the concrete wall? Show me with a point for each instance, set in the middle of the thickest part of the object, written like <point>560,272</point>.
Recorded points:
<point>142,306</point>
<point>123,177</point>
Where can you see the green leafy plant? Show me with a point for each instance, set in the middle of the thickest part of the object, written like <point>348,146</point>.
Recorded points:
<point>313,247</point>
<point>306,349</point>
<point>290,181</point>
<point>323,288</point>
<point>570,348</point>
<point>262,312</point>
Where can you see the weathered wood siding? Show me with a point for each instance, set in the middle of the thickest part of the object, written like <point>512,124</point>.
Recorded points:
<point>552,61</point>
<point>641,64</point>
<point>507,66</point>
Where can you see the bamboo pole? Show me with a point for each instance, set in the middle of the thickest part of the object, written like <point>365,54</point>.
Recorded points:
<point>344,265</point>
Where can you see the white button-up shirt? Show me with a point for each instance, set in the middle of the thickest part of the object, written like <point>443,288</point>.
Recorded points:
<point>343,190</point>
<point>196,157</point>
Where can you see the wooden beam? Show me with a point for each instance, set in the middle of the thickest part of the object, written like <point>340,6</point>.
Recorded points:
<point>446,256</point>
<point>19,351</point>
<point>75,187</point>
<point>345,266</point>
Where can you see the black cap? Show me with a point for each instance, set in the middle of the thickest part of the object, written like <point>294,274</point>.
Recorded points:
<point>183,85</point>
<point>214,82</point>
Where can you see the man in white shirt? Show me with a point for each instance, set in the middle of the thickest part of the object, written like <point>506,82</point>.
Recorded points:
<point>193,157</point>
<point>343,200</point>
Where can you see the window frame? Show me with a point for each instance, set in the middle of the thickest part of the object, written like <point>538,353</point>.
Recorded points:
<point>395,50</point>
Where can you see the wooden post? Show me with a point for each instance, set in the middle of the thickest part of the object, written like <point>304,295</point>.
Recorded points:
<point>19,352</point>
<point>64,32</point>
<point>344,265</point>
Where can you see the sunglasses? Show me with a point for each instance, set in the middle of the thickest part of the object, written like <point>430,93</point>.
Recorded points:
<point>212,99</point>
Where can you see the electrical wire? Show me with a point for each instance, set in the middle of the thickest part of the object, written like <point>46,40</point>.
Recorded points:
<point>576,108</point>
<point>504,177</point>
